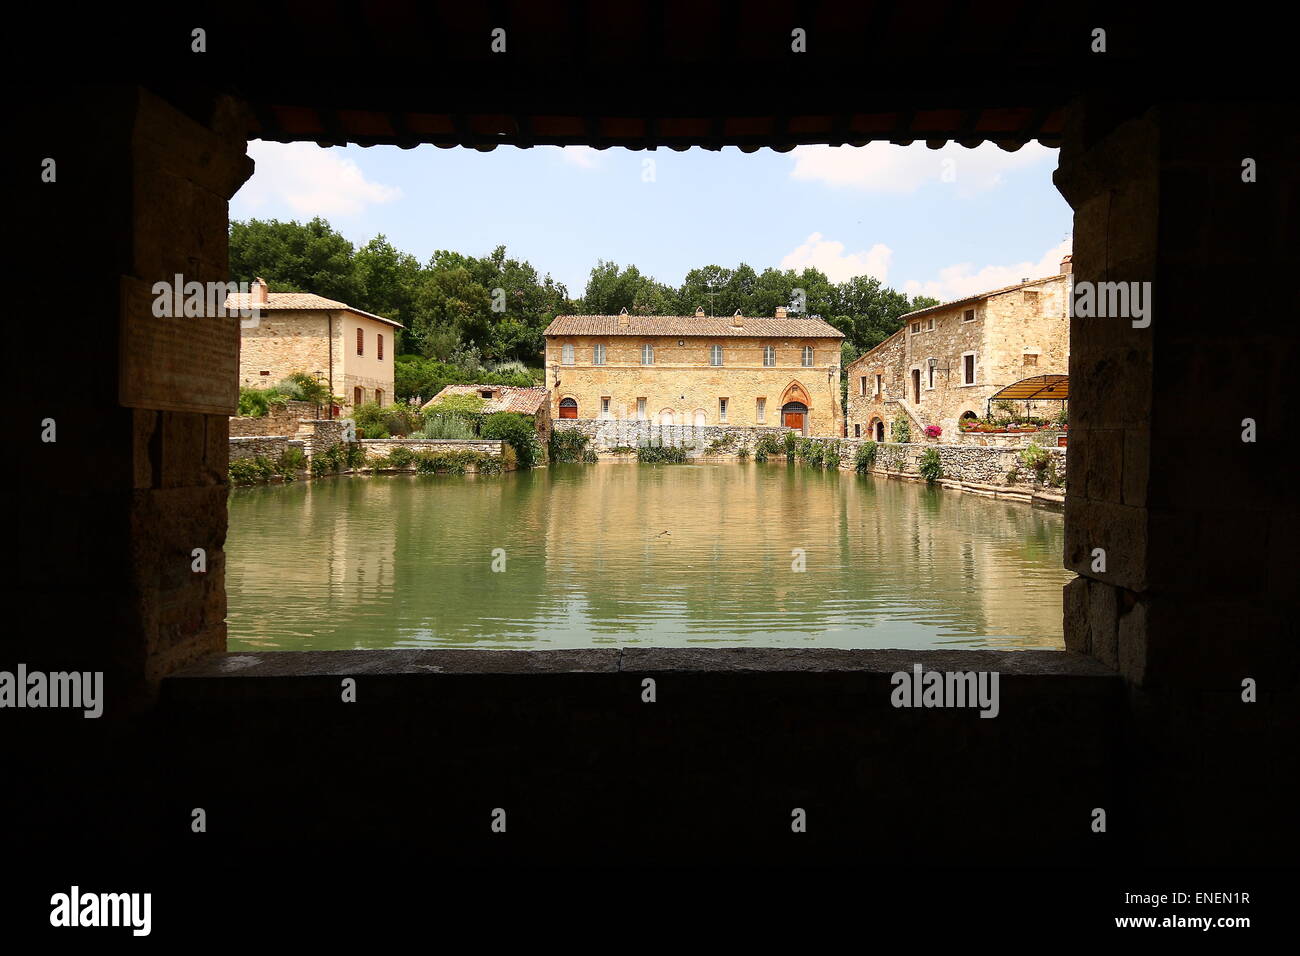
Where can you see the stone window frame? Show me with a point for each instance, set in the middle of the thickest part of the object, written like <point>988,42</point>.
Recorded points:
<point>769,352</point>
<point>928,371</point>
<point>606,403</point>
<point>722,409</point>
<point>968,315</point>
<point>974,368</point>
<point>598,354</point>
<point>641,405</point>
<point>922,325</point>
<point>647,354</point>
<point>715,356</point>
<point>566,353</point>
<point>760,410</point>
<point>862,387</point>
<point>809,357</point>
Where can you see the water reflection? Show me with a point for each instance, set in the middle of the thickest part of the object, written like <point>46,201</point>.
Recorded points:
<point>616,554</point>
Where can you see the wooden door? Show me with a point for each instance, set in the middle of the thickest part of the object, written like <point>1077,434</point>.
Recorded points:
<point>794,420</point>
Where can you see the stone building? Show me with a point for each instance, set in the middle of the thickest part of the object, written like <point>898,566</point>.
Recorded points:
<point>345,347</point>
<point>697,370</point>
<point>948,360</point>
<point>506,398</point>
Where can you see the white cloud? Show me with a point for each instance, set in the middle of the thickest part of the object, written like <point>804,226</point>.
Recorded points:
<point>309,180</point>
<point>964,279</point>
<point>829,256</point>
<point>582,156</point>
<point>885,168</point>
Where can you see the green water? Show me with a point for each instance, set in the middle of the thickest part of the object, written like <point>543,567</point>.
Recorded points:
<point>406,561</point>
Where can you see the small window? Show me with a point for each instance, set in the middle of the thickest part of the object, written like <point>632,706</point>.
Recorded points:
<point>930,384</point>
<point>379,397</point>
<point>968,315</point>
<point>722,409</point>
<point>760,410</point>
<point>715,355</point>
<point>862,386</point>
<point>361,341</point>
<point>485,393</point>
<point>647,355</point>
<point>857,431</point>
<point>968,368</point>
<point>924,325</point>
<point>379,347</point>
<point>358,395</point>
<point>567,355</point>
<point>1031,358</point>
<point>769,355</point>
<point>598,355</point>
<point>604,406</point>
<point>878,384</point>
<point>264,373</point>
<point>807,356</point>
<point>640,409</point>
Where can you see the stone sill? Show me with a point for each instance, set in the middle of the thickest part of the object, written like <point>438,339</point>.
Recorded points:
<point>295,674</point>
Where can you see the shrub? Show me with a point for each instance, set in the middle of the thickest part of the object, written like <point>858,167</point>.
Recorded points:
<point>569,446</point>
<point>720,445</point>
<point>660,455</point>
<point>1013,475</point>
<point>791,442</point>
<point>900,430</point>
<point>1064,417</point>
<point>401,457</point>
<point>249,471</point>
<point>831,455</point>
<point>1034,457</point>
<point>445,426</point>
<point>466,406</point>
<point>743,453</point>
<point>931,468</point>
<point>291,461</point>
<point>516,430</point>
<point>766,446</point>
<point>865,456</point>
<point>457,462</point>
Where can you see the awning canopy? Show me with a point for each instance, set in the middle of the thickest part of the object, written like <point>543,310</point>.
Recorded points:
<point>1038,388</point>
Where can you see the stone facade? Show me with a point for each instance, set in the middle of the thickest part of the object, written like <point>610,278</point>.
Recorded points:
<point>982,344</point>
<point>682,386</point>
<point>349,349</point>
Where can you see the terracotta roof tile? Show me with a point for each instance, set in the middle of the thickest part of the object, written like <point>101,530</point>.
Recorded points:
<point>526,401</point>
<point>717,326</point>
<point>303,301</point>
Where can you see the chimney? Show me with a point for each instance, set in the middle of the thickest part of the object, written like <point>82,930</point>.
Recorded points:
<point>699,312</point>
<point>257,292</point>
<point>780,312</point>
<point>622,319</point>
<point>1066,264</point>
<point>737,320</point>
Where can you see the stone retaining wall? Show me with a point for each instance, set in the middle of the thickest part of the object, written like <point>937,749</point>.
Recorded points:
<point>607,434</point>
<point>379,447</point>
<point>266,446</point>
<point>1044,438</point>
<point>279,420</point>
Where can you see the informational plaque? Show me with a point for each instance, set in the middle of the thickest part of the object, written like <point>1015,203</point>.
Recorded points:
<point>175,363</point>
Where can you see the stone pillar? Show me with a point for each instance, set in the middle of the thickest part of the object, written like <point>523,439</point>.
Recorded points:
<point>1199,528</point>
<point>112,511</point>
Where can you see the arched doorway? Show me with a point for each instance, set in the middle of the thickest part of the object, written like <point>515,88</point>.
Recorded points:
<point>876,429</point>
<point>666,417</point>
<point>795,415</point>
<point>568,408</point>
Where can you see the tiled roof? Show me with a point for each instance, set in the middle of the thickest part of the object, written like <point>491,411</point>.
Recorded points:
<point>977,297</point>
<point>526,401</point>
<point>303,301</point>
<point>717,326</point>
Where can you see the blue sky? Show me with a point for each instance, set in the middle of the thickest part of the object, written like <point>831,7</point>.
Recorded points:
<point>944,222</point>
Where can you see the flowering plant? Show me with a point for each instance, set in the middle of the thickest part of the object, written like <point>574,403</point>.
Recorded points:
<point>933,431</point>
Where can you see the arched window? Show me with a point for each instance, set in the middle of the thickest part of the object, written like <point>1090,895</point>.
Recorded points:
<point>969,414</point>
<point>568,408</point>
<point>701,419</point>
<point>666,416</point>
